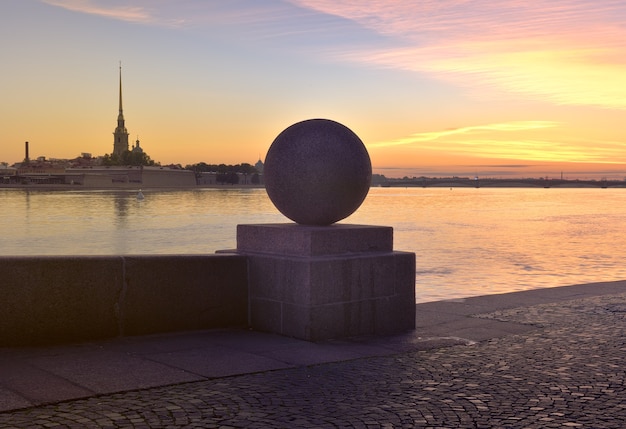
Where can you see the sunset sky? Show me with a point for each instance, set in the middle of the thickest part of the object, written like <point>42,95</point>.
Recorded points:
<point>434,88</point>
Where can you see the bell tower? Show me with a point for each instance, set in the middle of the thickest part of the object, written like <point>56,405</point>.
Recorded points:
<point>120,135</point>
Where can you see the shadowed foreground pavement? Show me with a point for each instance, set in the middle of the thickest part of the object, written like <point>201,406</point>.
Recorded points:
<point>549,358</point>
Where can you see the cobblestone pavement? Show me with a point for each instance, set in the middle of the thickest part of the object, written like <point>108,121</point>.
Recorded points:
<point>568,373</point>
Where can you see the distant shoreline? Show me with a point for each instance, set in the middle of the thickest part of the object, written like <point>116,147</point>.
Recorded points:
<point>135,188</point>
<point>390,183</point>
<point>454,182</point>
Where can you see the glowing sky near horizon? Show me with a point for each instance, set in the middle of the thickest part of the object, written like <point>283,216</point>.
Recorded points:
<point>436,87</point>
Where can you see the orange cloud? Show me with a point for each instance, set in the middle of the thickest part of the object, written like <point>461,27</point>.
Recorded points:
<point>562,51</point>
<point>519,140</point>
<point>506,126</point>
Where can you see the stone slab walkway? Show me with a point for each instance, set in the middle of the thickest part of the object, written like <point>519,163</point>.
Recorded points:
<point>550,358</point>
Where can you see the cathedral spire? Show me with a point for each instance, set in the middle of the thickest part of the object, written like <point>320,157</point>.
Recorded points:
<point>120,135</point>
<point>121,114</point>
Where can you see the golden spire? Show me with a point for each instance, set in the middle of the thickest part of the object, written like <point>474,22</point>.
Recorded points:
<point>121,115</point>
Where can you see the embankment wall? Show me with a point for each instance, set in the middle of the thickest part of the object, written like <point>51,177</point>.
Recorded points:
<point>60,299</point>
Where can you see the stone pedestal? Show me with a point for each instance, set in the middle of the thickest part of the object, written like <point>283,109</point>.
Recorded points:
<point>323,282</point>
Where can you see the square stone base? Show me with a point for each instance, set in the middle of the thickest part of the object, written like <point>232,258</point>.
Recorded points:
<point>318,283</point>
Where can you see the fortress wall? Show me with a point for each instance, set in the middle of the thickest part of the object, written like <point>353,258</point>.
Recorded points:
<point>61,299</point>
<point>156,177</point>
<point>133,177</point>
<point>97,181</point>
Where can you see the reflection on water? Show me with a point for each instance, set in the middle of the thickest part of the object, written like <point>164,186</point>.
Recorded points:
<point>116,222</point>
<point>468,241</point>
<point>500,240</point>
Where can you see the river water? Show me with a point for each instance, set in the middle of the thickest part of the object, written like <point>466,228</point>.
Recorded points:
<point>468,241</point>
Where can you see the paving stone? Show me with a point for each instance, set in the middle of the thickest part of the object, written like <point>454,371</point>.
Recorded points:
<point>568,373</point>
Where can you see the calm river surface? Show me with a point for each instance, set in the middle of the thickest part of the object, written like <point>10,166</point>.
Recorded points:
<point>468,241</point>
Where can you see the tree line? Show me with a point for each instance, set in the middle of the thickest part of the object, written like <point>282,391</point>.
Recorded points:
<point>226,173</point>
<point>128,158</point>
<point>203,167</point>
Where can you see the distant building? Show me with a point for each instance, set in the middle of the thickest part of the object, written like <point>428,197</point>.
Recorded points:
<point>120,135</point>
<point>7,173</point>
<point>136,148</point>
<point>259,166</point>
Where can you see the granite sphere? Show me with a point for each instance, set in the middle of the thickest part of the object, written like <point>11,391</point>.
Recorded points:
<point>317,172</point>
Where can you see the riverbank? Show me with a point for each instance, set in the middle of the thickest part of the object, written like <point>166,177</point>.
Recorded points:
<point>464,182</point>
<point>438,183</point>
<point>133,187</point>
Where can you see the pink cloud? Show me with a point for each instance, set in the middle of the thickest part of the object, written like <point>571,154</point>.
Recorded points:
<point>562,51</point>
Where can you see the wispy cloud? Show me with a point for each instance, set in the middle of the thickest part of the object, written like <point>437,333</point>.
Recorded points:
<point>498,127</point>
<point>518,140</point>
<point>271,18</point>
<point>138,14</point>
<point>562,51</point>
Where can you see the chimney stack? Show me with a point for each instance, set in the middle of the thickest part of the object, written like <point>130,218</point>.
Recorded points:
<point>26,158</point>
